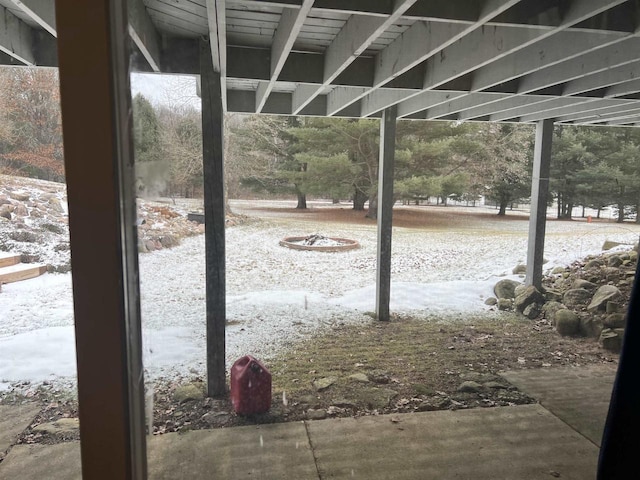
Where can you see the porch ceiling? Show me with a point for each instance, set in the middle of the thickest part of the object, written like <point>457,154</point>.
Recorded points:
<point>576,61</point>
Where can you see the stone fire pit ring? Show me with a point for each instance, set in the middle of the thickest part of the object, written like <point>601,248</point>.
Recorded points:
<point>339,244</point>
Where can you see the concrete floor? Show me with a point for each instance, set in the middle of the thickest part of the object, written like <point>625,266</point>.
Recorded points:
<point>522,442</point>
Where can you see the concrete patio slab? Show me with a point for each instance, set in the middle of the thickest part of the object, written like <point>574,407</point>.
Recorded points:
<point>53,462</point>
<point>579,396</point>
<point>13,420</point>
<point>524,442</point>
<point>277,451</point>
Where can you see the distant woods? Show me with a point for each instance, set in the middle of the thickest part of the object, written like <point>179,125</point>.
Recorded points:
<point>334,158</point>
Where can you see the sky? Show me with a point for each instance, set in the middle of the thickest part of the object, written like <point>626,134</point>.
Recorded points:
<point>167,90</point>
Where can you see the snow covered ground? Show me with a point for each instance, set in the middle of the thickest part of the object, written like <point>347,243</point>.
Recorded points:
<point>277,295</point>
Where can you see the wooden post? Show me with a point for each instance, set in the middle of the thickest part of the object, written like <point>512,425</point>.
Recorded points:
<point>96,103</point>
<point>214,219</point>
<point>385,209</point>
<point>539,194</point>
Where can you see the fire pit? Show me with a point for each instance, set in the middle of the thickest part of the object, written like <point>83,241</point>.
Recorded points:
<point>319,243</point>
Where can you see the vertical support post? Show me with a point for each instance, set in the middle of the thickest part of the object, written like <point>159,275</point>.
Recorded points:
<point>214,219</point>
<point>385,210</point>
<point>94,82</point>
<point>539,195</point>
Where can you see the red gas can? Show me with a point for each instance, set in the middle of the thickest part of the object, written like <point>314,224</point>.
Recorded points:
<point>250,386</point>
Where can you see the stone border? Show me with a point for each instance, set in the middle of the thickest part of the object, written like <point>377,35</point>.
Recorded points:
<point>348,244</point>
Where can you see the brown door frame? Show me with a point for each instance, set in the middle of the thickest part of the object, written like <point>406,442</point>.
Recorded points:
<point>93,52</point>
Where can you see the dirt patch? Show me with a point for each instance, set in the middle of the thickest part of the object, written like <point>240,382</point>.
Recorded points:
<point>402,366</point>
<point>407,217</point>
<point>406,365</point>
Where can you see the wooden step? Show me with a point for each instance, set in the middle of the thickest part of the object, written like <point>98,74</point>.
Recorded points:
<point>7,259</point>
<point>22,271</point>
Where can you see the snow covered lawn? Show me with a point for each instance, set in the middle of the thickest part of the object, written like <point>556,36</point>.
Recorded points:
<point>277,295</point>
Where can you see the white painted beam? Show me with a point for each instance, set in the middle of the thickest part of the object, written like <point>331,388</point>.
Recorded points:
<point>627,121</point>
<point>474,47</point>
<point>15,38</point>
<point>42,12</point>
<point>143,33</point>
<point>592,115</point>
<point>625,88</point>
<point>484,46</point>
<point>612,76</point>
<point>612,117</point>
<point>425,100</point>
<point>539,199</point>
<point>545,53</point>
<point>358,33</point>
<point>337,97</point>
<point>423,40</point>
<point>501,105</point>
<point>378,101</point>
<point>461,104</point>
<point>216,21</point>
<point>537,107</point>
<point>621,53</point>
<point>291,21</point>
<point>587,105</point>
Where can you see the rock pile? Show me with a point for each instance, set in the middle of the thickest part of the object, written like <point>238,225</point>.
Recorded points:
<point>588,298</point>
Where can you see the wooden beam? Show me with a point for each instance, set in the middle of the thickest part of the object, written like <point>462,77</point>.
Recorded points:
<point>358,33</point>
<point>559,48</point>
<point>94,59</point>
<point>385,211</point>
<point>214,213</point>
<point>42,12</point>
<point>144,34</point>
<point>422,41</point>
<point>216,19</point>
<point>620,53</point>
<point>539,194</point>
<point>582,105</point>
<point>291,22</point>
<point>16,38</point>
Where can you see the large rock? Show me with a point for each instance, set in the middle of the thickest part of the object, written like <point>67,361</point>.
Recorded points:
<point>614,261</point>
<point>5,211</point>
<point>595,263</point>
<point>324,383</point>
<point>550,308</point>
<point>576,297</point>
<point>530,295</point>
<point>590,326</point>
<point>506,288</point>
<point>615,320</point>
<point>532,311</point>
<point>505,304</point>
<point>551,294</point>
<point>188,393</point>
<point>519,269</point>
<point>604,294</point>
<point>567,322</point>
<point>21,210</point>
<point>469,387</point>
<point>584,284</point>
<point>610,340</point>
<point>608,244</point>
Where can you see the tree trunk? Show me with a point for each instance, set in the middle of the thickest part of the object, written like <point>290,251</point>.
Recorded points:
<point>359,199</point>
<point>620,218</point>
<point>583,211</point>
<point>335,201</point>
<point>503,208</point>
<point>302,200</point>
<point>559,205</point>
<point>599,210</point>
<point>372,212</point>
